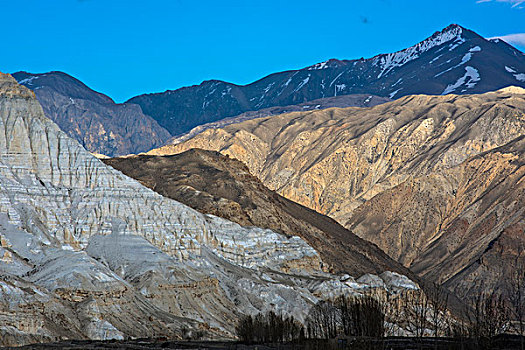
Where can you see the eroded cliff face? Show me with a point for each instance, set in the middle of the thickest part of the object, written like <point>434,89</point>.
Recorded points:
<point>462,227</point>
<point>87,252</point>
<point>396,174</point>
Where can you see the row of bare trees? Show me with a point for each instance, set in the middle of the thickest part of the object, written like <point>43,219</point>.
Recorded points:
<point>269,328</point>
<point>349,316</point>
<point>405,313</point>
<point>362,317</point>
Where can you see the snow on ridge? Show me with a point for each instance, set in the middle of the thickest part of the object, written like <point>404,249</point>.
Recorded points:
<point>510,70</point>
<point>397,59</point>
<point>331,63</point>
<point>28,81</point>
<point>302,83</point>
<point>318,66</point>
<point>464,60</point>
<point>470,79</point>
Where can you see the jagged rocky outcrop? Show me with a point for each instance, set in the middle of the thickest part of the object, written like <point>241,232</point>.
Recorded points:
<point>346,163</point>
<point>93,119</point>
<point>453,60</point>
<point>87,252</point>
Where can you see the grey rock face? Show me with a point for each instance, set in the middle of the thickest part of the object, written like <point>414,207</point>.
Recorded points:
<point>454,60</point>
<point>91,118</point>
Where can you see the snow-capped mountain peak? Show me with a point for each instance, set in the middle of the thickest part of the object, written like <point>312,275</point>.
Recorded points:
<point>454,59</point>
<point>452,34</point>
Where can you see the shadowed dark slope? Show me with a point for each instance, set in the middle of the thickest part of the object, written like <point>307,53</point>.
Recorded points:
<point>218,185</point>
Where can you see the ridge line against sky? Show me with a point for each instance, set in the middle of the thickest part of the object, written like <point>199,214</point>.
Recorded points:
<point>126,48</point>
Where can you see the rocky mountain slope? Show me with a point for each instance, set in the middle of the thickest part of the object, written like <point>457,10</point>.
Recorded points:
<point>86,252</point>
<point>215,184</point>
<point>454,60</point>
<point>91,118</point>
<point>463,226</point>
<point>357,100</point>
<point>337,160</point>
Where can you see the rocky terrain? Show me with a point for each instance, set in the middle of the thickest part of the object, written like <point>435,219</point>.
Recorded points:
<point>460,224</point>
<point>215,184</point>
<point>91,118</point>
<point>453,60</point>
<point>360,165</point>
<point>88,253</point>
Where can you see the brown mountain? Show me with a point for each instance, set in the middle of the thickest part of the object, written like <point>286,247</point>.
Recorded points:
<point>463,227</point>
<point>337,160</point>
<point>216,184</point>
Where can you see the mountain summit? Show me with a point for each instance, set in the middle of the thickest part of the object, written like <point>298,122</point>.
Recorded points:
<point>453,60</point>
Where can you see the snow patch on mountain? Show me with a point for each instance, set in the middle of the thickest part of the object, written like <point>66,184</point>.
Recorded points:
<point>456,43</point>
<point>470,79</point>
<point>436,58</point>
<point>339,88</point>
<point>28,81</point>
<point>397,59</point>
<point>393,93</point>
<point>302,83</point>
<point>318,66</point>
<point>464,60</point>
<point>518,76</point>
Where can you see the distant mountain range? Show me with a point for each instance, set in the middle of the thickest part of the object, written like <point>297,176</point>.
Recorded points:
<point>93,119</point>
<point>454,60</point>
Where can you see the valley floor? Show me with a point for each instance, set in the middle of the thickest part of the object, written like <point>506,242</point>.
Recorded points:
<point>500,342</point>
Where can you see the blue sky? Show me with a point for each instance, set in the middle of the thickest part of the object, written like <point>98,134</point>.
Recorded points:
<point>125,48</point>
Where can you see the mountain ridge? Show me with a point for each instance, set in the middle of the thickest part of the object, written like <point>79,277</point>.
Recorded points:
<point>441,63</point>
<point>216,184</point>
<point>92,118</point>
<point>89,253</point>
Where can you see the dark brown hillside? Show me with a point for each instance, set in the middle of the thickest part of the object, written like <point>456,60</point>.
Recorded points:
<point>219,185</point>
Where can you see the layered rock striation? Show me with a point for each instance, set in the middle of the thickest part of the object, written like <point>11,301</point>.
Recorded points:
<point>215,184</point>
